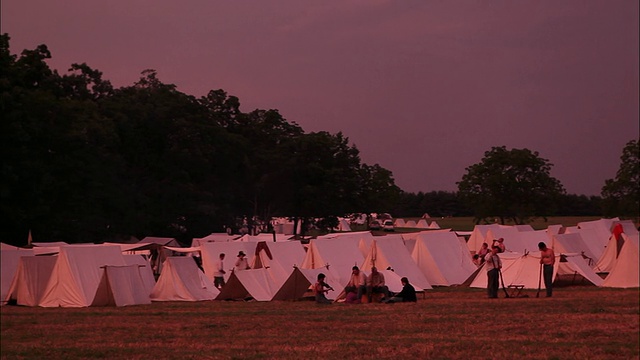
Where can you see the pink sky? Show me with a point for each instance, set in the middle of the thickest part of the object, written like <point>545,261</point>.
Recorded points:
<point>421,87</point>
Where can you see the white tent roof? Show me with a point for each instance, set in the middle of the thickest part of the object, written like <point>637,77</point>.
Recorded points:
<point>595,239</point>
<point>625,272</point>
<point>410,224</point>
<point>422,224</point>
<point>478,236</point>
<point>399,223</point>
<point>391,252</point>
<point>182,280</point>
<point>576,264</point>
<point>524,241</point>
<point>443,258</point>
<point>215,237</point>
<point>77,278</point>
<point>144,270</point>
<point>571,243</point>
<point>434,225</point>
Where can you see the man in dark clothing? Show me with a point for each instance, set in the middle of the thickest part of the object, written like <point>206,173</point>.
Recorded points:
<point>408,293</point>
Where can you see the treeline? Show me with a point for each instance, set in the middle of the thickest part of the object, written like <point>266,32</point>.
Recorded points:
<point>85,162</point>
<point>443,204</point>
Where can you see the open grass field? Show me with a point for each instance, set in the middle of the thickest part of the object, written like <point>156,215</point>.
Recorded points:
<point>449,323</point>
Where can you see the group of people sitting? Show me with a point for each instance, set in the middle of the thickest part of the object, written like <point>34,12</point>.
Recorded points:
<point>360,284</point>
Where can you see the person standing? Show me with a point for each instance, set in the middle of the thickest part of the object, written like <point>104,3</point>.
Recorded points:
<point>547,259</point>
<point>493,264</point>
<point>218,275</point>
<point>241,263</point>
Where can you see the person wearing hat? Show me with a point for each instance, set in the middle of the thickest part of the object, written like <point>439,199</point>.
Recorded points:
<point>500,244</point>
<point>242,263</point>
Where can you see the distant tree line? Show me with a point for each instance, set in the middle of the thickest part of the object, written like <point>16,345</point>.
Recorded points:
<point>83,161</point>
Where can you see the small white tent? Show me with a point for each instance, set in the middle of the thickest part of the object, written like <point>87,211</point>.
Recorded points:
<point>300,282</point>
<point>182,280</point>
<point>259,284</point>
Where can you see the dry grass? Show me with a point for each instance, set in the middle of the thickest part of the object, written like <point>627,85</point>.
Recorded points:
<point>450,323</point>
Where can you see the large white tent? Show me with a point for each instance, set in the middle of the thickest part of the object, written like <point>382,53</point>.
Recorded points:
<point>442,258</point>
<point>210,254</point>
<point>80,278</point>
<point>338,255</point>
<point>390,253</point>
<point>517,269</point>
<point>182,280</point>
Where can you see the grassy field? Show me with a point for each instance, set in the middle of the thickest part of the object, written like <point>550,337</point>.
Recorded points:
<point>449,323</point>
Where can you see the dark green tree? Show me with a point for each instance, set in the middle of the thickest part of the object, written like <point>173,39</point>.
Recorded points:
<point>621,195</point>
<point>510,184</point>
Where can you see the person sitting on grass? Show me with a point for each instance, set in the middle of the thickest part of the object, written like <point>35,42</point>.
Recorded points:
<point>320,288</point>
<point>357,283</point>
<point>408,293</point>
<point>375,284</point>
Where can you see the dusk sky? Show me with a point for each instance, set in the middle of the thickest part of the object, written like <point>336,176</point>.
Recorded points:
<point>421,87</point>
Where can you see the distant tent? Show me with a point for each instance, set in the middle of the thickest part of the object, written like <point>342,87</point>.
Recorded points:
<point>399,223</point>
<point>31,279</point>
<point>422,224</point>
<point>215,237</point>
<point>434,225</point>
<point>410,224</point>
<point>624,273</point>
<point>343,225</point>
<point>182,280</point>
<point>91,275</point>
<point>9,260</point>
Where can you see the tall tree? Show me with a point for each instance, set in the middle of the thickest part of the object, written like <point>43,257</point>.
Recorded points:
<point>621,195</point>
<point>510,184</point>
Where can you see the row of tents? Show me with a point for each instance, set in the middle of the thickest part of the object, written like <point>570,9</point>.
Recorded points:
<point>116,274</point>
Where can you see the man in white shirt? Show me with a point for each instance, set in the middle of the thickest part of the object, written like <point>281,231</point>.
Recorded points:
<point>493,264</point>
<point>218,275</point>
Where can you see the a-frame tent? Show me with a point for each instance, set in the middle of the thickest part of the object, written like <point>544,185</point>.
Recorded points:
<point>517,269</point>
<point>9,260</point>
<point>300,281</point>
<point>31,279</point>
<point>259,284</point>
<point>624,273</point>
<point>210,254</point>
<point>442,258</point>
<point>390,253</point>
<point>338,255</point>
<point>280,257</point>
<point>182,280</point>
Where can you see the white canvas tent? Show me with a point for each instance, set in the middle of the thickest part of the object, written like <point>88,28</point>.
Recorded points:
<point>422,224</point>
<point>214,237</point>
<point>144,268</point>
<point>31,279</point>
<point>572,243</point>
<point>182,280</point>
<point>434,225</point>
<point>410,224</point>
<point>575,264</point>
<point>210,254</point>
<point>259,284</point>
<point>300,282</point>
<point>91,275</point>
<point>442,258</point>
<point>390,252</point>
<point>399,223</point>
<point>340,254</point>
<point>624,273</point>
<point>9,260</point>
<point>280,257</point>
<point>517,269</point>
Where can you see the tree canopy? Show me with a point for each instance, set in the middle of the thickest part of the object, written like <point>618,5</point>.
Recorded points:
<point>510,184</point>
<point>621,195</point>
<point>86,162</point>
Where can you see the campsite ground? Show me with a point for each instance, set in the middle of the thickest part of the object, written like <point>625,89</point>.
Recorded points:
<point>579,322</point>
